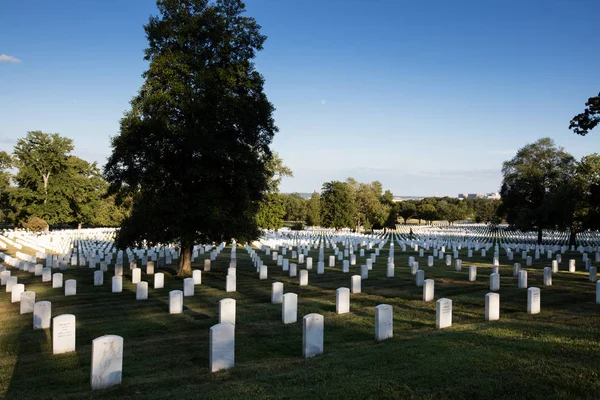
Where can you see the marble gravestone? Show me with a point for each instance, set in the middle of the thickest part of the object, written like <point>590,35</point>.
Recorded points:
<point>276,293</point>
<point>98,278</point>
<point>227,311</point>
<point>197,276</point>
<point>494,282</point>
<point>355,283</point>
<point>63,334</point>
<point>492,307</point>
<point>27,302</point>
<point>175,302</point>
<point>522,279</point>
<point>289,308</point>
<point>141,290</point>
<point>136,275</point>
<point>303,281</point>
<point>428,290</point>
<point>472,273</point>
<point>70,287</point>
<point>384,322</point>
<point>342,300</point>
<point>230,283</point>
<point>222,347</point>
<point>42,311</point>
<point>443,313</point>
<point>188,287</point>
<point>57,280</point>
<point>533,300</point>
<point>107,362</point>
<point>159,280</point>
<point>312,335</point>
<point>17,290</point>
<point>117,284</point>
<point>547,276</point>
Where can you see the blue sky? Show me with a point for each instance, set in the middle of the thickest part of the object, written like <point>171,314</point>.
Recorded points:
<point>429,97</point>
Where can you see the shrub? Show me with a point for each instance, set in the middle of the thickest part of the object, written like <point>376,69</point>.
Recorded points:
<point>36,224</point>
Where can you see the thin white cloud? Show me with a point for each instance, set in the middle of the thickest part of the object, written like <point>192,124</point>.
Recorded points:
<point>9,59</point>
<point>322,101</point>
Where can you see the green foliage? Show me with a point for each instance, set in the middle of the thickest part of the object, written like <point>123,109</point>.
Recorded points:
<point>407,210</point>
<point>337,205</point>
<point>427,211</point>
<point>370,211</point>
<point>295,207</point>
<point>5,165</point>
<point>531,184</point>
<point>271,212</point>
<point>193,150</point>
<point>313,210</point>
<point>582,123</point>
<point>35,224</point>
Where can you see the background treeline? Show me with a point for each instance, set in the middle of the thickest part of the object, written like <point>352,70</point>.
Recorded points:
<point>41,183</point>
<point>353,204</point>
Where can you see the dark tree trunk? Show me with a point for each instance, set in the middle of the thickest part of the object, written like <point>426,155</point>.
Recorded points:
<point>572,237</point>
<point>539,241</point>
<point>185,261</point>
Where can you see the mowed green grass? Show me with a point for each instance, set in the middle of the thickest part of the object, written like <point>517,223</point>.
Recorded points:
<point>551,355</point>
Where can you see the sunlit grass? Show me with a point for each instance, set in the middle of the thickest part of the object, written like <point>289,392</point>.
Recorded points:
<point>555,354</point>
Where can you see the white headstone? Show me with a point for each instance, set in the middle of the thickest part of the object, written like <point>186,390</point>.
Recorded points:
<point>188,287</point>
<point>443,313</point>
<point>384,322</point>
<point>222,347</point>
<point>141,290</point>
<point>207,265</point>
<point>303,277</point>
<point>230,283</point>
<point>70,287</point>
<point>533,300</point>
<point>428,290</point>
<point>547,276</point>
<point>117,284</point>
<point>98,278</point>
<point>472,273</point>
<point>312,335</point>
<point>27,302</point>
<point>276,293</point>
<point>523,279</point>
<point>57,280</point>
<point>63,334</point>
<point>175,302</point>
<point>107,361</point>
<point>342,300</point>
<point>494,282</point>
<point>356,284</point>
<point>289,308</point>
<point>159,280</point>
<point>492,307</point>
<point>136,275</point>
<point>42,311</point>
<point>420,280</point>
<point>17,290</point>
<point>227,311</point>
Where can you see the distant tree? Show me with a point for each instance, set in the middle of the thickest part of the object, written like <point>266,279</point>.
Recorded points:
<point>485,210</point>
<point>371,212</point>
<point>193,150</point>
<point>5,176</point>
<point>388,198</point>
<point>582,123</point>
<point>407,210</point>
<point>271,211</point>
<point>35,224</point>
<point>392,218</point>
<point>337,205</point>
<point>427,211</point>
<point>295,207</point>
<point>39,156</point>
<point>530,185</point>
<point>313,210</point>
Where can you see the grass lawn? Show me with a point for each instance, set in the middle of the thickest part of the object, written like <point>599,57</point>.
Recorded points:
<point>551,355</point>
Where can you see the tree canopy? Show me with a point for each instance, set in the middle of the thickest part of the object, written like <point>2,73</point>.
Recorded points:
<point>337,205</point>
<point>531,183</point>
<point>194,148</point>
<point>582,123</point>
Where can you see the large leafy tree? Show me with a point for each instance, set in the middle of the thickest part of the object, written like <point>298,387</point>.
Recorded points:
<point>313,210</point>
<point>295,207</point>
<point>193,149</point>
<point>272,208</point>
<point>531,184</point>
<point>39,157</point>
<point>407,210</point>
<point>588,119</point>
<point>337,205</point>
